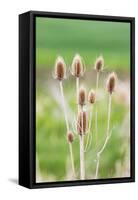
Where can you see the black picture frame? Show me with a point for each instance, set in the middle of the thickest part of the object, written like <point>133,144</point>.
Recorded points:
<point>27,87</point>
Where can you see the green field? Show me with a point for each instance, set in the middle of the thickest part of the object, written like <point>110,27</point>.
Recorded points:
<point>56,37</point>
<point>90,39</point>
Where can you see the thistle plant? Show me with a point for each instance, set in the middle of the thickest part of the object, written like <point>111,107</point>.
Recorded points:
<point>91,97</point>
<point>70,139</point>
<point>85,104</point>
<point>77,70</point>
<point>81,97</point>
<point>60,75</point>
<point>91,101</point>
<point>111,83</point>
<point>99,64</point>
<point>82,127</point>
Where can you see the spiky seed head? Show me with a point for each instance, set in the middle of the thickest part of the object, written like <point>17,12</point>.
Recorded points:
<point>82,122</point>
<point>111,82</point>
<point>99,64</point>
<point>91,97</point>
<point>70,137</point>
<point>82,96</point>
<point>60,69</point>
<point>77,67</point>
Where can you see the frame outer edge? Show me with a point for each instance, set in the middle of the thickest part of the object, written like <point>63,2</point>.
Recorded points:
<point>30,179</point>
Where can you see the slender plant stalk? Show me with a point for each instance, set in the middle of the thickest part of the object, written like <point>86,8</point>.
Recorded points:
<point>82,170</point>
<point>77,91</point>
<point>82,161</point>
<point>97,81</point>
<point>89,129</point>
<point>96,110</point>
<point>107,136</point>
<point>82,173</point>
<point>109,114</point>
<point>63,103</point>
<point>82,166</point>
<point>67,126</point>
<point>72,159</point>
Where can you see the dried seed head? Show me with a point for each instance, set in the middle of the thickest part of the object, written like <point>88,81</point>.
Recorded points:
<point>82,122</point>
<point>77,67</point>
<point>70,137</point>
<point>82,96</point>
<point>99,64</point>
<point>91,97</point>
<point>60,68</point>
<point>111,82</point>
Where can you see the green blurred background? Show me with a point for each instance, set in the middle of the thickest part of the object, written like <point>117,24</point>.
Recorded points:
<point>90,39</point>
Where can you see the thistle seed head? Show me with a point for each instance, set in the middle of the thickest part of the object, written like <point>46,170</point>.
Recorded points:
<point>82,96</point>
<point>82,122</point>
<point>111,82</point>
<point>91,97</point>
<point>60,69</point>
<point>77,67</point>
<point>99,64</point>
<point>70,137</point>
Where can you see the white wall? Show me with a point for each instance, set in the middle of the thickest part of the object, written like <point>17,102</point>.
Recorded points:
<point>9,11</point>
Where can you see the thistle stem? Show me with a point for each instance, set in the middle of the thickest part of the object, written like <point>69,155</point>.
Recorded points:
<point>107,136</point>
<point>63,103</point>
<point>89,129</point>
<point>97,81</point>
<point>77,91</point>
<point>96,110</point>
<point>109,114</point>
<point>67,126</point>
<point>72,159</point>
<point>82,167</point>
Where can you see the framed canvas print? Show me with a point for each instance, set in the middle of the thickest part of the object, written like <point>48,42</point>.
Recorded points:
<point>76,99</point>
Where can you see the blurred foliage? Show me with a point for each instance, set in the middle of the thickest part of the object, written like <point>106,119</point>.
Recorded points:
<point>89,38</point>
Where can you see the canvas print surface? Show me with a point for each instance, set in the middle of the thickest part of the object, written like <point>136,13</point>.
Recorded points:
<point>82,99</point>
